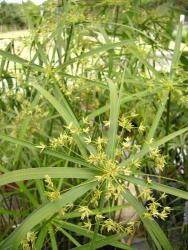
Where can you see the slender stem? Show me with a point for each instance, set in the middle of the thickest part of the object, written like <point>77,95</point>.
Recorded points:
<point>68,43</point>
<point>168,120</point>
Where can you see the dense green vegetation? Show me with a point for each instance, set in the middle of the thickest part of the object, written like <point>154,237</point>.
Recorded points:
<point>15,16</point>
<point>94,127</point>
<point>11,15</point>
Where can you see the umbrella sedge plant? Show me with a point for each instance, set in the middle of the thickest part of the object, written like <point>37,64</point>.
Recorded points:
<point>90,123</point>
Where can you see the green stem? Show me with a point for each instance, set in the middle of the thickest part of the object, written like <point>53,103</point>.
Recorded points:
<point>68,43</point>
<point>168,120</point>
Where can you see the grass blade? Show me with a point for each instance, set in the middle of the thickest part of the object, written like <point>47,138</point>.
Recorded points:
<point>17,59</point>
<point>157,186</point>
<point>114,115</point>
<point>39,173</point>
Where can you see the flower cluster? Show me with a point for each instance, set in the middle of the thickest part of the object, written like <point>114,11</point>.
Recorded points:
<point>111,226</point>
<point>85,212</point>
<point>52,193</point>
<point>73,129</point>
<point>62,140</point>
<point>126,124</point>
<point>29,242</point>
<point>96,197</point>
<point>107,166</point>
<point>154,208</point>
<point>158,159</point>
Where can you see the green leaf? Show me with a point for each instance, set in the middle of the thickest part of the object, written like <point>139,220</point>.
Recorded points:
<point>17,59</point>
<point>41,237</point>
<point>52,238</point>
<point>157,119</point>
<point>114,115</point>
<point>157,186</point>
<point>177,51</point>
<point>39,173</point>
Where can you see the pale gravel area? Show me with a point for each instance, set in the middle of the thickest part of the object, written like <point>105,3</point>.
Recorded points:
<point>21,43</point>
<point>20,40</point>
<point>14,34</point>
